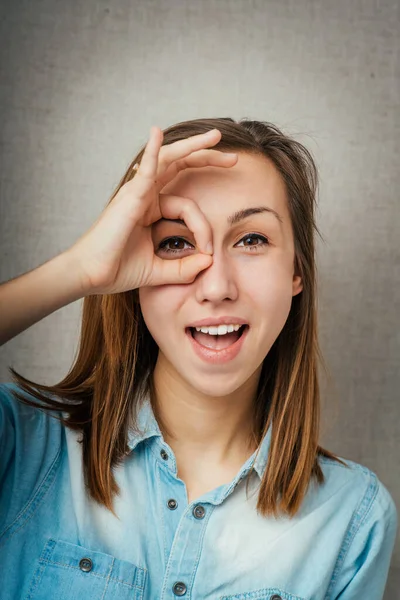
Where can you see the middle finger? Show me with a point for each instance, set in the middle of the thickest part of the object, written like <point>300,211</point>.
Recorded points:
<point>200,158</point>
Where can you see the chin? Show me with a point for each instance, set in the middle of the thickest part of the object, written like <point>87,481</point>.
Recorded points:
<point>215,385</point>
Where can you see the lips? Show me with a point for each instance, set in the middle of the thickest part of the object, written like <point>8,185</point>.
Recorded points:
<point>214,321</point>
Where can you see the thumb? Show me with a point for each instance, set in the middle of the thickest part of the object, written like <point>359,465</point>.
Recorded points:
<point>183,270</point>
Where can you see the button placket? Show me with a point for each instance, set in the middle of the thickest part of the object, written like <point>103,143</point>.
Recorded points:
<point>186,523</point>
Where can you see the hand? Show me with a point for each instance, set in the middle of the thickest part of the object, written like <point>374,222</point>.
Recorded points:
<point>117,253</point>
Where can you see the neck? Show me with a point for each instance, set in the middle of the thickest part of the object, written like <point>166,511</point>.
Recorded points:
<point>198,425</point>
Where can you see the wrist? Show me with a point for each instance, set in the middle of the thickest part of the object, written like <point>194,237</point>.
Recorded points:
<point>66,265</point>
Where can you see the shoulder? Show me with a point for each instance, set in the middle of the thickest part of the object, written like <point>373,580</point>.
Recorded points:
<point>30,449</point>
<point>360,489</point>
<point>27,433</point>
<point>363,515</point>
<point>23,417</point>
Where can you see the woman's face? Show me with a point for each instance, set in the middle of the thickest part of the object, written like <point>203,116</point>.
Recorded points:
<point>251,279</point>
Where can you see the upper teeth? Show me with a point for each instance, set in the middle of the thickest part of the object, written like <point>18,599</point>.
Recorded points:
<point>219,330</point>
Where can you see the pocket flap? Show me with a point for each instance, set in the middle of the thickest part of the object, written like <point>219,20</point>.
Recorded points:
<point>69,555</point>
<point>71,571</point>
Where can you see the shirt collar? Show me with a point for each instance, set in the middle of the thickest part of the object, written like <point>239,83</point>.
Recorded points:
<point>148,427</point>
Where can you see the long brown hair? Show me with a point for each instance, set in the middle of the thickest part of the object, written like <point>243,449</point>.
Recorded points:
<point>112,372</point>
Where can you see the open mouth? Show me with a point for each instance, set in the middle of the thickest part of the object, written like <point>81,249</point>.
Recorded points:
<point>216,342</point>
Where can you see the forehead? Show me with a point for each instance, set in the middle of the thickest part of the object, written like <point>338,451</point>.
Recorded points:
<point>252,181</point>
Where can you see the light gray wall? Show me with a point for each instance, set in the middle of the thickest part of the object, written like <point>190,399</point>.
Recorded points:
<point>83,80</point>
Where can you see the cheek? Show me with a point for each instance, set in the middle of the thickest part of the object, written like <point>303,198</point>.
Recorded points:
<point>272,278</point>
<point>269,287</point>
<point>159,306</point>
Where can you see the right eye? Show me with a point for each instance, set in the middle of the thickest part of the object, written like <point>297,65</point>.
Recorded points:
<point>177,245</point>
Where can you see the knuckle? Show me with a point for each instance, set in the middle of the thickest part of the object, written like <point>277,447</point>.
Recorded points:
<point>162,159</point>
<point>145,174</point>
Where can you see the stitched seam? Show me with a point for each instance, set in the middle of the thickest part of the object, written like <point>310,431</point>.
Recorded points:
<point>47,550</point>
<point>108,579</point>
<point>162,515</point>
<point>358,518</point>
<point>256,594</point>
<point>140,581</point>
<point>34,502</point>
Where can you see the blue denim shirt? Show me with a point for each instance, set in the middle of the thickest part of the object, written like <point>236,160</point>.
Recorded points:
<point>57,543</point>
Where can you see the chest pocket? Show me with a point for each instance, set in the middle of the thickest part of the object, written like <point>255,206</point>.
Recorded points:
<point>67,572</point>
<point>265,594</point>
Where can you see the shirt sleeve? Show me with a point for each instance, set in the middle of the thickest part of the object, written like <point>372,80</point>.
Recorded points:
<point>363,564</point>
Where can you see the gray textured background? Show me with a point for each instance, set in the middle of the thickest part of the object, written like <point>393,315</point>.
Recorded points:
<point>81,84</point>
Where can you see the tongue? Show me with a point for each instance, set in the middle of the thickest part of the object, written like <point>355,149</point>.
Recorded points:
<point>218,342</point>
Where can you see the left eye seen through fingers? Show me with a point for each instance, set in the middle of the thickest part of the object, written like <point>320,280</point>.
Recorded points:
<point>179,242</point>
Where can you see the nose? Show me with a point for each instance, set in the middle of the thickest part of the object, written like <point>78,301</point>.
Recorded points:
<point>218,282</point>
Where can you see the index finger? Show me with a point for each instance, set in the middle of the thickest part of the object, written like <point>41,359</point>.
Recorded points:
<point>149,163</point>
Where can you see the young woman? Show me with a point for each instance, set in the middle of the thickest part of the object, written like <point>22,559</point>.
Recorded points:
<point>179,457</point>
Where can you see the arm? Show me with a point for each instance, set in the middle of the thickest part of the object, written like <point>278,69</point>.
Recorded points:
<point>103,260</point>
<point>29,298</point>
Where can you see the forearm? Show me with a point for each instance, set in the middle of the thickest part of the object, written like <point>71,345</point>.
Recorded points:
<point>32,296</point>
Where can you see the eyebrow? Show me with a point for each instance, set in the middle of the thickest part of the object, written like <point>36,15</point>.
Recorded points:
<point>238,216</point>
<point>248,212</point>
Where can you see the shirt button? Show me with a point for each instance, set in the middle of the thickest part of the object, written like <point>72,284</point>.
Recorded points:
<point>172,504</point>
<point>276,597</point>
<point>85,564</point>
<point>199,511</point>
<point>164,455</point>
<point>179,588</point>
